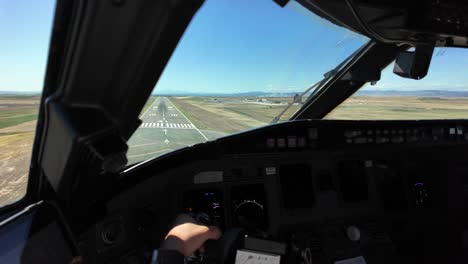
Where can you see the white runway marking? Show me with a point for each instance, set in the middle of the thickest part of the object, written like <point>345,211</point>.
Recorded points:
<point>152,104</point>
<point>166,125</point>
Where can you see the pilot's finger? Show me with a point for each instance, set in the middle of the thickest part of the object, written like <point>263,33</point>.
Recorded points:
<point>77,260</point>
<point>214,232</point>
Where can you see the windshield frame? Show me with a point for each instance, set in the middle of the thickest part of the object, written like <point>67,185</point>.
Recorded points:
<point>295,84</point>
<point>337,89</point>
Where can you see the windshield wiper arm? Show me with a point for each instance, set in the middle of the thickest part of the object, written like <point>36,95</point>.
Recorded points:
<point>327,75</point>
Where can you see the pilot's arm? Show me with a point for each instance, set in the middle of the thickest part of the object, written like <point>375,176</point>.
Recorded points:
<point>183,240</point>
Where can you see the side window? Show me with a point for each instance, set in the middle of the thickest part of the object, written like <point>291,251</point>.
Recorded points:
<point>442,94</point>
<point>25,27</point>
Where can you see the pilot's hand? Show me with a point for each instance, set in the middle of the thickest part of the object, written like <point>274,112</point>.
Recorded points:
<point>77,260</point>
<point>187,236</point>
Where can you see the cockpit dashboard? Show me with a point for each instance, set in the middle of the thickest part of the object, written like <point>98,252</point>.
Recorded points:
<point>340,189</point>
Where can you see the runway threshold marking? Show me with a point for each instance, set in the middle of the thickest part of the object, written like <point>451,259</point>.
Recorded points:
<point>167,125</point>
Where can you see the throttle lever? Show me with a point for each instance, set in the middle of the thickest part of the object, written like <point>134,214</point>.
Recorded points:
<point>224,249</point>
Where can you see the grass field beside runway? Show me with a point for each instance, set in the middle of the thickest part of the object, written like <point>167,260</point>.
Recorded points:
<point>16,120</point>
<point>231,114</point>
<point>15,110</point>
<point>18,116</point>
<point>394,108</point>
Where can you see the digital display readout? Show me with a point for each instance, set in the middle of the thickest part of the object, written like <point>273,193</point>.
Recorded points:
<point>205,206</point>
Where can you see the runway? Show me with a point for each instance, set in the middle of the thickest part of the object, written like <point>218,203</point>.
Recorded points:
<point>164,128</point>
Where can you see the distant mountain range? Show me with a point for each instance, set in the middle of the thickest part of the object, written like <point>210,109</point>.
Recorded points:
<point>19,93</point>
<point>243,94</point>
<point>418,93</point>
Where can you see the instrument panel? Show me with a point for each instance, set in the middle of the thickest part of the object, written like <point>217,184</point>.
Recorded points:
<point>319,189</point>
<point>337,170</point>
<point>247,207</point>
<point>326,134</point>
<point>205,205</point>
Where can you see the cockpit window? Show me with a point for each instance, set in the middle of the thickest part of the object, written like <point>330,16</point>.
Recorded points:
<point>25,29</point>
<point>442,94</point>
<point>239,65</point>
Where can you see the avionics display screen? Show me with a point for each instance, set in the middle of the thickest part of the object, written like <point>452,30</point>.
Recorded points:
<point>205,201</point>
<point>35,236</point>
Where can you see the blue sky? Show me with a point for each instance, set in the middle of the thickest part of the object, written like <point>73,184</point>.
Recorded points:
<point>239,46</point>
<point>448,71</point>
<point>25,27</point>
<point>230,46</point>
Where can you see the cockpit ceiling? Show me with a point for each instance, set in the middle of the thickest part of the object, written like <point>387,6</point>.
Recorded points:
<point>441,22</point>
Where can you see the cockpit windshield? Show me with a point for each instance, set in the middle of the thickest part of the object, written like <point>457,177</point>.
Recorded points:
<point>237,67</point>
